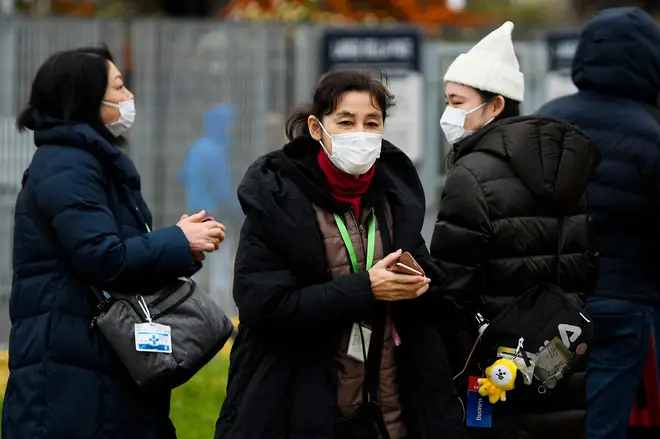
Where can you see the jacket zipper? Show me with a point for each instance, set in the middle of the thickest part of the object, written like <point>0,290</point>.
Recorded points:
<point>166,295</point>
<point>360,228</point>
<point>176,304</point>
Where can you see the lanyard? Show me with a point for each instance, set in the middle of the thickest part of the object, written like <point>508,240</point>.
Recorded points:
<point>371,242</point>
<point>148,228</point>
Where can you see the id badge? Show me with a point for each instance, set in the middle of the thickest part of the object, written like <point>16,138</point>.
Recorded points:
<point>355,348</point>
<point>479,409</point>
<point>153,337</point>
<point>552,361</point>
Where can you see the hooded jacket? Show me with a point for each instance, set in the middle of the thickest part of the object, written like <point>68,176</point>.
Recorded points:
<point>283,379</point>
<point>497,234</point>
<point>617,70</point>
<point>207,172</point>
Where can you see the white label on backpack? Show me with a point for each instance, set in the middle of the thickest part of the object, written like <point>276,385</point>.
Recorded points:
<point>569,333</point>
<point>153,337</point>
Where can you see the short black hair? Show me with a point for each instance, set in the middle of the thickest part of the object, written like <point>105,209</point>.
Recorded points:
<point>511,107</point>
<point>70,86</point>
<point>330,90</point>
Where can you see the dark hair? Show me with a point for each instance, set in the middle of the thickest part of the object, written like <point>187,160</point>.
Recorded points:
<point>511,107</point>
<point>70,86</point>
<point>328,93</point>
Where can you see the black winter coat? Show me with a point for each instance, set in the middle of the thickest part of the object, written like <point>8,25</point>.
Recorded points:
<point>496,237</point>
<point>66,382</point>
<point>283,378</point>
<point>617,69</point>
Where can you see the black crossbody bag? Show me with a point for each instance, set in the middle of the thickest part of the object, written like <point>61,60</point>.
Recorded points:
<point>546,322</point>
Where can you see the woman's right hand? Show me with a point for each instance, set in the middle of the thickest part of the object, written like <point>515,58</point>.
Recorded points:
<point>390,287</point>
<point>202,236</point>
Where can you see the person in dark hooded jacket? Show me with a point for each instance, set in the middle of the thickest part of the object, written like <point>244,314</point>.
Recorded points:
<point>80,220</point>
<point>497,231</point>
<point>617,71</point>
<point>325,216</point>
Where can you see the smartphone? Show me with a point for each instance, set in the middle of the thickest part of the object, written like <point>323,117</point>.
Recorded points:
<point>404,269</point>
<point>407,265</point>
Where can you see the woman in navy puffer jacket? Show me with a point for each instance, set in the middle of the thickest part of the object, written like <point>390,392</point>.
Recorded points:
<point>80,221</point>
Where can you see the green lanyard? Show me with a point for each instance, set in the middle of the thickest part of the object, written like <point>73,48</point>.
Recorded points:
<point>371,242</point>
<point>148,228</point>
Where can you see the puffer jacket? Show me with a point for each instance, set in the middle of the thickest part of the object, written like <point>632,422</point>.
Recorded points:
<point>294,309</point>
<point>617,70</point>
<point>497,236</point>
<point>66,381</point>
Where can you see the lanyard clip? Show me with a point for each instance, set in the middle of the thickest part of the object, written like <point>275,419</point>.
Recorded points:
<point>520,352</point>
<point>143,306</point>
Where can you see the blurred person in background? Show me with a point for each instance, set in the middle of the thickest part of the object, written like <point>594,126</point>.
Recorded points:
<point>496,235</point>
<point>617,71</point>
<point>207,177</point>
<point>80,220</point>
<point>326,217</point>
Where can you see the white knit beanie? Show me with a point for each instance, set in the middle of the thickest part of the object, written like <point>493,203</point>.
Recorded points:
<point>491,65</point>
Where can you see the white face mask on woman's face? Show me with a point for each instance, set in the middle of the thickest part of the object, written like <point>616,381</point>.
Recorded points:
<point>126,117</point>
<point>453,123</point>
<point>354,153</point>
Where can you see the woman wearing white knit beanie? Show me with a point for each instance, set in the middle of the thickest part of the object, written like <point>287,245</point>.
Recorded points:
<point>487,78</point>
<point>514,196</point>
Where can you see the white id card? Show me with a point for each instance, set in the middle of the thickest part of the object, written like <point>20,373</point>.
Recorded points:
<point>153,337</point>
<point>355,350</point>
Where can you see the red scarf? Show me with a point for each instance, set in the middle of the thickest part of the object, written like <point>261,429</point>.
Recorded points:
<point>345,188</point>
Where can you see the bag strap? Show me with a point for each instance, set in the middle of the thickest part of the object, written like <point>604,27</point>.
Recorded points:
<point>560,241</point>
<point>371,388</point>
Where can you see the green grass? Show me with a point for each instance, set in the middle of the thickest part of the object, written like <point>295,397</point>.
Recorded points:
<point>196,404</point>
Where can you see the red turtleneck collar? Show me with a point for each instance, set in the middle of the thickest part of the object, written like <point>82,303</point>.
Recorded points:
<point>345,188</point>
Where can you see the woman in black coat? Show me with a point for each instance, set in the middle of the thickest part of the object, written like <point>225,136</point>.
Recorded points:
<point>81,221</point>
<point>511,178</point>
<point>292,373</point>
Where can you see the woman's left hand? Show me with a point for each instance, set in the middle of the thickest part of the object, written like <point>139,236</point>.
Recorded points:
<point>197,256</point>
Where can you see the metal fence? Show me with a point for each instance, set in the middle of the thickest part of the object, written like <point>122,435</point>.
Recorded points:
<point>178,70</point>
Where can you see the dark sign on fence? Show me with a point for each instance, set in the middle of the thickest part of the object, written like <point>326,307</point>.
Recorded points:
<point>562,45</point>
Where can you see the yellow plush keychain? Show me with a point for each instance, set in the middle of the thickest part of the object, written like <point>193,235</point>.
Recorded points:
<point>500,378</point>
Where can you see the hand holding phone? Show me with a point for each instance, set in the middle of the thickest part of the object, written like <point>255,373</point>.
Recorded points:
<point>396,278</point>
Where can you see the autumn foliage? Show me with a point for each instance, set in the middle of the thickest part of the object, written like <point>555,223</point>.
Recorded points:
<point>338,11</point>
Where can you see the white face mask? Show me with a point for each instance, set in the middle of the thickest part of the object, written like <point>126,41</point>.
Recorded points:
<point>354,153</point>
<point>453,123</point>
<point>126,117</point>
